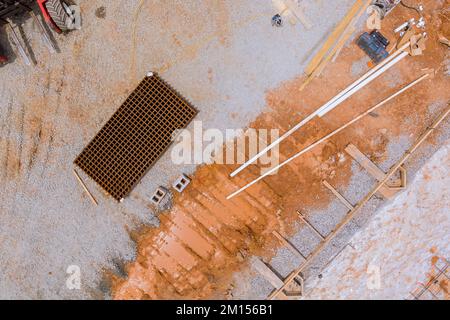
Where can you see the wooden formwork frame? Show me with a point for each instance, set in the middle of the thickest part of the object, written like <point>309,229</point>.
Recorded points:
<point>349,217</point>
<point>388,190</point>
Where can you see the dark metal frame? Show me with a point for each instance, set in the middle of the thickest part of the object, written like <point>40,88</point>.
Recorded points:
<point>14,8</point>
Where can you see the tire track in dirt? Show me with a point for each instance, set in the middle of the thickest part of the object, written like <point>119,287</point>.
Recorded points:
<point>36,141</point>
<point>5,140</point>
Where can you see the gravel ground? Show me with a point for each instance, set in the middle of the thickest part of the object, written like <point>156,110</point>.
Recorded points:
<point>402,242</point>
<point>222,55</point>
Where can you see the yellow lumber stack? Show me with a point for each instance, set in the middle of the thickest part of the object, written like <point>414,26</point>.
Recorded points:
<point>335,41</point>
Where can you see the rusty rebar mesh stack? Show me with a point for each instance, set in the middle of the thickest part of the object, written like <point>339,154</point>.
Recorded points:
<point>135,137</point>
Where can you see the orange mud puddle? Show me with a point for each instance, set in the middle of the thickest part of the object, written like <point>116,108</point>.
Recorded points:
<point>204,239</point>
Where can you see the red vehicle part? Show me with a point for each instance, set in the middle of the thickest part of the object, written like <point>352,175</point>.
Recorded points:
<point>3,58</point>
<point>47,16</point>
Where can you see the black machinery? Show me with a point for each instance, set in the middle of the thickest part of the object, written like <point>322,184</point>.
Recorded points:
<point>374,44</point>
<point>54,12</point>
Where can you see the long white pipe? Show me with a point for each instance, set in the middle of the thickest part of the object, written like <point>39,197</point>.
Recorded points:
<point>409,86</point>
<point>362,84</point>
<point>368,74</point>
<point>317,112</point>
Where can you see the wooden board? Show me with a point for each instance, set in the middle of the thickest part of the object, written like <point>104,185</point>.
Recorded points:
<point>344,201</point>
<point>351,215</point>
<point>267,273</point>
<point>373,170</point>
<point>335,36</point>
<point>289,245</point>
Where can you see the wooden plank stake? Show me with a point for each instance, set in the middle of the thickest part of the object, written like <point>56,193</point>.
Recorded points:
<point>288,244</point>
<point>300,215</point>
<point>370,167</point>
<point>267,273</point>
<point>344,201</point>
<point>365,162</point>
<point>402,181</point>
<point>296,294</point>
<point>275,169</point>
<point>85,188</point>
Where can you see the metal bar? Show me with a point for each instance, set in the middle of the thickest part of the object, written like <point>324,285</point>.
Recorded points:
<point>427,289</point>
<point>85,188</point>
<point>361,85</point>
<point>140,127</point>
<point>50,44</point>
<point>324,107</point>
<point>19,45</point>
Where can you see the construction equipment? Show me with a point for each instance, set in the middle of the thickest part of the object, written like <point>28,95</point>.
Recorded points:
<point>374,45</point>
<point>58,14</point>
<point>3,58</point>
<point>277,21</point>
<point>290,10</point>
<point>384,7</point>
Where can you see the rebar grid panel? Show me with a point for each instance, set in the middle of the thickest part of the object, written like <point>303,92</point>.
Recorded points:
<point>135,137</point>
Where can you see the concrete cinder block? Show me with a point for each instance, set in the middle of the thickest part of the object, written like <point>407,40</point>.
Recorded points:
<point>181,183</point>
<point>158,196</point>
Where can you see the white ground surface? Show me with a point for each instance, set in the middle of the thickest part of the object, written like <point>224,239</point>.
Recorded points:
<point>399,242</point>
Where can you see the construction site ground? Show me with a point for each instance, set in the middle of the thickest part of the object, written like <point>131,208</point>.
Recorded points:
<point>397,247</point>
<point>238,71</point>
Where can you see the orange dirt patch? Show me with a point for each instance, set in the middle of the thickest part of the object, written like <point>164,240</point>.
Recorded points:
<point>204,238</point>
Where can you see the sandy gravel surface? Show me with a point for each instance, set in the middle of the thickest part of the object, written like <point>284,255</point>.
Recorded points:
<point>222,55</point>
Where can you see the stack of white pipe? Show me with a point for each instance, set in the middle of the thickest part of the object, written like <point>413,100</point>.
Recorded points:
<point>344,96</point>
<point>311,146</point>
<point>337,100</point>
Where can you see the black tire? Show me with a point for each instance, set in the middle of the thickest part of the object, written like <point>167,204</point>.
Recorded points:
<point>58,14</point>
